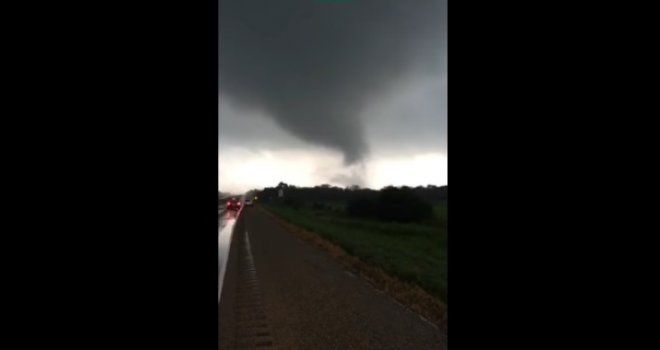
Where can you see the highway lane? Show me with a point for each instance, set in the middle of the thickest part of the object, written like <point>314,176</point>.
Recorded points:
<point>226,221</point>
<point>280,292</point>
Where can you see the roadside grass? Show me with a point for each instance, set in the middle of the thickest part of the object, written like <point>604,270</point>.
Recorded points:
<point>414,253</point>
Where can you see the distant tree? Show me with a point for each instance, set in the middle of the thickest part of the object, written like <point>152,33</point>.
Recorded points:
<point>268,195</point>
<point>402,205</point>
<point>391,203</point>
<point>293,202</point>
<point>362,207</point>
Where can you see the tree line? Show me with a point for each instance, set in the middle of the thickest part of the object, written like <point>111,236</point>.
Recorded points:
<point>402,204</point>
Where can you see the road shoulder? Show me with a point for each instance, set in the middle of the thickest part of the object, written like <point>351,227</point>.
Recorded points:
<point>428,307</point>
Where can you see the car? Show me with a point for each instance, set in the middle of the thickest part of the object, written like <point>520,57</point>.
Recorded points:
<point>233,204</point>
<point>248,202</point>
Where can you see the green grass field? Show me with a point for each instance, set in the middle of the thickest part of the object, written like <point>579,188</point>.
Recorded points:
<point>415,253</point>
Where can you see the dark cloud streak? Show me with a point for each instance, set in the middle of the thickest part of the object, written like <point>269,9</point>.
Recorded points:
<point>314,65</point>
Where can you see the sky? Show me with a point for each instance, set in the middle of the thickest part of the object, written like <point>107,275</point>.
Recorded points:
<point>350,92</point>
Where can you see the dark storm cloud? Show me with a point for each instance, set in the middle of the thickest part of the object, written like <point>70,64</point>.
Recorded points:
<point>313,65</point>
<point>411,119</point>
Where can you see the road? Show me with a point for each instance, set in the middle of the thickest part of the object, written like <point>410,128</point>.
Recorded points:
<point>226,222</point>
<point>280,292</point>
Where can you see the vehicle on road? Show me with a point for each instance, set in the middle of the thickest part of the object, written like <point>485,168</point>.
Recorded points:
<point>248,202</point>
<point>233,204</point>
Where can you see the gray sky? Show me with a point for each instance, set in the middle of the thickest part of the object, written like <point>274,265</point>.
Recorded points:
<point>343,92</point>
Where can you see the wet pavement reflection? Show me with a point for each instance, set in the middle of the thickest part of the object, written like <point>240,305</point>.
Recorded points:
<point>226,221</point>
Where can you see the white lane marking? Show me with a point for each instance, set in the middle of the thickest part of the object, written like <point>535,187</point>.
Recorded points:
<point>249,252</point>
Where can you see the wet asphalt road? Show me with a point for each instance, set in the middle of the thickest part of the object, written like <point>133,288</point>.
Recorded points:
<point>279,292</point>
